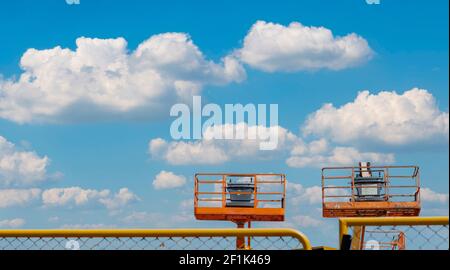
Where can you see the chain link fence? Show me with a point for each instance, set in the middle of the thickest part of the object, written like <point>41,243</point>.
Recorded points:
<point>391,233</point>
<point>413,237</point>
<point>394,234</point>
<point>201,239</point>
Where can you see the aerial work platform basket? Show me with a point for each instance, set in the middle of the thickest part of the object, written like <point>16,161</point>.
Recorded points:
<point>370,191</point>
<point>240,198</point>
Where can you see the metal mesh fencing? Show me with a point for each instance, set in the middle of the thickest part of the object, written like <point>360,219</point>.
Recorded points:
<point>412,237</point>
<point>395,234</point>
<point>207,239</point>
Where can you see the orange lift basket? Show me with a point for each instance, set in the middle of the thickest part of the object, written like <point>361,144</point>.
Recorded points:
<point>240,198</point>
<point>370,191</point>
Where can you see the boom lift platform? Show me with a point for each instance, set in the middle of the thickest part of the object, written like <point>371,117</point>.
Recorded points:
<point>240,198</point>
<point>370,191</point>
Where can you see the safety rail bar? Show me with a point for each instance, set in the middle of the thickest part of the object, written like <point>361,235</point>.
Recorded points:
<point>384,172</point>
<point>157,233</point>
<point>223,193</point>
<point>345,223</point>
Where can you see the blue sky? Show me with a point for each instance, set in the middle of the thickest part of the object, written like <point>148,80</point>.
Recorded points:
<point>408,49</point>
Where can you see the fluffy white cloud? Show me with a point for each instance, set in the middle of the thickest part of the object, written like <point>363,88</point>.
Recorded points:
<point>338,156</point>
<point>274,47</point>
<point>167,180</point>
<point>428,195</point>
<point>20,167</point>
<point>72,195</point>
<point>218,151</point>
<point>157,147</point>
<point>101,80</point>
<point>315,153</point>
<point>199,152</point>
<point>118,200</point>
<point>386,117</point>
<point>305,221</point>
<point>77,196</point>
<point>299,194</point>
<point>18,197</point>
<point>12,223</point>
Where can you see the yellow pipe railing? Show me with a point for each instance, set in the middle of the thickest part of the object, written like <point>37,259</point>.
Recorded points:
<point>96,233</point>
<point>344,223</point>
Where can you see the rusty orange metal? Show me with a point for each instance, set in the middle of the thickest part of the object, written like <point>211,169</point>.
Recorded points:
<point>260,199</point>
<point>397,192</point>
<point>268,204</point>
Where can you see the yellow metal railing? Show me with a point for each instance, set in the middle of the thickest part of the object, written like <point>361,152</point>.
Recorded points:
<point>420,232</point>
<point>175,239</point>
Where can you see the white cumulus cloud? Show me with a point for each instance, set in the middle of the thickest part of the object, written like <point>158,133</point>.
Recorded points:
<point>297,194</point>
<point>102,80</point>
<point>71,195</point>
<point>338,156</point>
<point>167,180</point>
<point>275,47</point>
<point>199,152</point>
<point>298,152</point>
<point>19,167</point>
<point>12,223</point>
<point>387,117</point>
<point>18,197</point>
<point>305,221</point>
<point>218,151</point>
<point>77,196</point>
<point>118,200</point>
<point>429,195</point>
